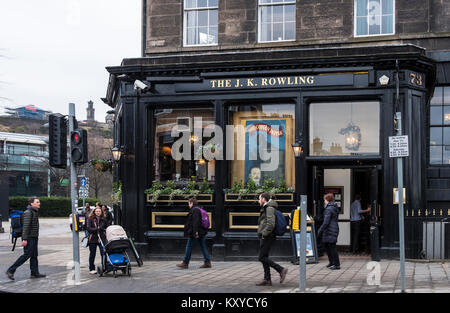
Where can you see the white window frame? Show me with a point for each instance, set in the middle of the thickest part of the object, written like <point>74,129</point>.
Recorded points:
<point>355,20</point>
<point>275,3</point>
<point>185,27</point>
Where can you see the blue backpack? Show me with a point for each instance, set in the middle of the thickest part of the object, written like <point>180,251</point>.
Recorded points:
<point>280,223</point>
<point>16,217</point>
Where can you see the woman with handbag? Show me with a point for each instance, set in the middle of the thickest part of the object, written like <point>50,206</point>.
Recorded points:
<point>96,226</point>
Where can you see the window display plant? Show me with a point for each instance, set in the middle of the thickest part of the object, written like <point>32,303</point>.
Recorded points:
<point>172,190</point>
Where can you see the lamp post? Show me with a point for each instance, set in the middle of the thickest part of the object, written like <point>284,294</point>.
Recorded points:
<point>117,154</point>
<point>298,152</point>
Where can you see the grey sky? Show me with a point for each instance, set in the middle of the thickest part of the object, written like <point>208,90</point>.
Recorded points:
<point>56,51</point>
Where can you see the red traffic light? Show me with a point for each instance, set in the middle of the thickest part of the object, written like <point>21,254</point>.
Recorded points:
<point>78,145</point>
<point>76,138</point>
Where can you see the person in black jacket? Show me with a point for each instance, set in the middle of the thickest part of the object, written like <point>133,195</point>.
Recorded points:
<point>195,232</point>
<point>329,231</point>
<point>96,226</point>
<point>30,235</point>
<point>108,214</point>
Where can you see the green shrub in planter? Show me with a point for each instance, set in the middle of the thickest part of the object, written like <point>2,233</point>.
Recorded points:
<point>50,207</point>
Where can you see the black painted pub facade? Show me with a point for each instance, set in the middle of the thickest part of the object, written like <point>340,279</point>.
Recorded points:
<point>337,103</point>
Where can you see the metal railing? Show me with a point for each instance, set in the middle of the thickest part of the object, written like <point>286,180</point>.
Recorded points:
<point>427,234</point>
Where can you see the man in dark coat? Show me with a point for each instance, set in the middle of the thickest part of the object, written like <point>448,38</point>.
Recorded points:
<point>195,232</point>
<point>30,234</point>
<point>329,231</point>
<point>266,225</point>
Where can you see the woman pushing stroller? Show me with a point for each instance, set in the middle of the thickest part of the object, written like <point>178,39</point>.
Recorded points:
<point>96,226</point>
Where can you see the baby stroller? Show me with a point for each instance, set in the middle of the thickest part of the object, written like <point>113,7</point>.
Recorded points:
<point>115,255</point>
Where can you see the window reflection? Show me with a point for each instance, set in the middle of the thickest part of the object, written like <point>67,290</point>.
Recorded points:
<point>344,128</point>
<point>166,167</point>
<point>439,131</point>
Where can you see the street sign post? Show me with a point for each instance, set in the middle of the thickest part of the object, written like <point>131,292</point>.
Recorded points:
<point>398,148</point>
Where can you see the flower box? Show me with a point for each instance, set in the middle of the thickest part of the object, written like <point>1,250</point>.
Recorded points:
<point>253,197</point>
<point>165,198</point>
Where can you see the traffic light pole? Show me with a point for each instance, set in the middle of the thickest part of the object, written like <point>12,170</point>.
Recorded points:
<point>74,200</point>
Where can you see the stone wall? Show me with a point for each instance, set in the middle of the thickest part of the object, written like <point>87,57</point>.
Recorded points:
<point>318,23</point>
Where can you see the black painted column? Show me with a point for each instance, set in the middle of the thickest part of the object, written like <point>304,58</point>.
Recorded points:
<point>218,248</point>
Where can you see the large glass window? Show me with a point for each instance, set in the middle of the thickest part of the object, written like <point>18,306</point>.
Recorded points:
<point>276,20</point>
<point>440,126</point>
<point>374,17</point>
<point>201,18</point>
<point>261,146</point>
<point>344,128</point>
<point>189,122</point>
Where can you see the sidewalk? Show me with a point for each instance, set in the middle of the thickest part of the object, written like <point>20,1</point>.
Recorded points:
<point>357,274</point>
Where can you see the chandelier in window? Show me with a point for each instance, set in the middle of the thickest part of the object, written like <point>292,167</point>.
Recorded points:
<point>352,134</point>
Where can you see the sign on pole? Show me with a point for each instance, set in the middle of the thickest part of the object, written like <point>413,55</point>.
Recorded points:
<point>398,146</point>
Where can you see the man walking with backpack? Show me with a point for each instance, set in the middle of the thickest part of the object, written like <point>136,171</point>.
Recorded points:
<point>194,230</point>
<point>30,234</point>
<point>266,225</point>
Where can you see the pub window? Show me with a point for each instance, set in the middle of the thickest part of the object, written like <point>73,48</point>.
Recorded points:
<point>344,128</point>
<point>440,126</point>
<point>201,19</point>
<point>276,20</point>
<point>262,143</point>
<point>168,168</point>
<point>374,17</point>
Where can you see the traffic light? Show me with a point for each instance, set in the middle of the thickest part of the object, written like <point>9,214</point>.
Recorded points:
<point>78,146</point>
<point>57,140</point>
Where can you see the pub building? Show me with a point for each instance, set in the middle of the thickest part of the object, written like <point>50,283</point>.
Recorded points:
<point>334,101</point>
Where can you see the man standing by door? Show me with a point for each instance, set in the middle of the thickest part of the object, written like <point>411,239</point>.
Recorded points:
<point>355,222</point>
<point>30,234</point>
<point>266,225</point>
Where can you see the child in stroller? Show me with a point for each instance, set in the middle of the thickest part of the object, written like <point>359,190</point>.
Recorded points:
<point>115,257</point>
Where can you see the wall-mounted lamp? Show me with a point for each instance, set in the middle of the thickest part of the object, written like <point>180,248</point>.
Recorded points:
<point>117,153</point>
<point>298,149</point>
<point>194,138</point>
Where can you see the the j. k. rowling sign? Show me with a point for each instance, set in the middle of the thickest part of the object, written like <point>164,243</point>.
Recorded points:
<point>291,81</point>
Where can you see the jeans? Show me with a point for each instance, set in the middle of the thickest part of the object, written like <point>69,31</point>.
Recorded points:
<point>202,241</point>
<point>30,251</point>
<point>265,245</point>
<point>92,252</point>
<point>332,253</point>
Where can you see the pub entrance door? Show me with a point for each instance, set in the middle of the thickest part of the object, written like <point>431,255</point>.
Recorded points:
<point>345,182</point>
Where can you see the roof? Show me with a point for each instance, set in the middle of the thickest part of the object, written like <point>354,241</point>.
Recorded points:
<point>23,138</point>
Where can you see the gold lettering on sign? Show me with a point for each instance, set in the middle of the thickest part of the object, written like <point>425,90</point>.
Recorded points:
<point>250,82</point>
<point>415,79</point>
<point>279,81</point>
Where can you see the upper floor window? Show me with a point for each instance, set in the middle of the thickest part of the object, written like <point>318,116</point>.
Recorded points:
<point>440,126</point>
<point>200,22</point>
<point>276,20</point>
<point>374,17</point>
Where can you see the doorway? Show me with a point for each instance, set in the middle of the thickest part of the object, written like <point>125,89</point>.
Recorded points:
<point>345,182</point>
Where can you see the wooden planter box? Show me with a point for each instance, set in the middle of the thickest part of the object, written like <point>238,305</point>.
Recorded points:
<point>201,198</point>
<point>253,197</point>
